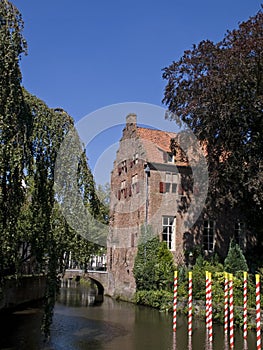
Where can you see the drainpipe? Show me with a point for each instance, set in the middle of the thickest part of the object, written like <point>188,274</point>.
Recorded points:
<point>147,172</point>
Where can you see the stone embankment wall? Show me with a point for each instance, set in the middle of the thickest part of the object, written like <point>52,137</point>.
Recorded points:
<point>23,290</point>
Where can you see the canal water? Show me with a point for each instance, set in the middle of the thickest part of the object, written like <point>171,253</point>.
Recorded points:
<point>78,324</point>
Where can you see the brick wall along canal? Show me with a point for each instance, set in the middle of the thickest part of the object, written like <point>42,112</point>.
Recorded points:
<point>112,325</point>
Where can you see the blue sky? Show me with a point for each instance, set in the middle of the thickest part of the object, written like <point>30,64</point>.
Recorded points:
<point>84,55</point>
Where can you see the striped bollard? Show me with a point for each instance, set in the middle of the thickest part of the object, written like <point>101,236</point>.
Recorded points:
<point>210,325</point>
<point>190,304</point>
<point>231,312</point>
<point>226,304</point>
<point>175,301</point>
<point>207,299</point>
<point>245,306</point>
<point>258,312</point>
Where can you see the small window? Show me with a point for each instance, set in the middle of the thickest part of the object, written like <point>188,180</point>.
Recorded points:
<point>208,235</point>
<point>123,184</point>
<point>124,166</point>
<point>170,158</point>
<point>134,179</point>
<point>135,184</point>
<point>170,184</point>
<point>136,158</point>
<point>168,234</point>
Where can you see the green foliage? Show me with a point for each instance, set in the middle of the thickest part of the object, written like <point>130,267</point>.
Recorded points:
<point>160,299</point>
<point>217,90</point>
<point>13,135</point>
<point>235,260</point>
<point>153,266</point>
<point>34,233</point>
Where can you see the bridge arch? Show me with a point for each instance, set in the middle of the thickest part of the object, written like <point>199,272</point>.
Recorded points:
<point>100,296</point>
<point>100,279</point>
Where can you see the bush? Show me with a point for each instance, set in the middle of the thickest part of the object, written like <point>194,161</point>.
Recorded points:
<point>158,299</point>
<point>153,266</point>
<point>235,260</point>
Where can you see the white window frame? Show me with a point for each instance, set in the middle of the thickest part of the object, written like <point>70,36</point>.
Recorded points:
<point>169,223</point>
<point>134,179</point>
<point>209,226</point>
<point>123,184</point>
<point>171,182</point>
<point>170,157</point>
<point>135,158</point>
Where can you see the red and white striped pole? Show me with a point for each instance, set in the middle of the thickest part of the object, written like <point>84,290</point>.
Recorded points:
<point>245,306</point>
<point>226,304</point>
<point>175,301</point>
<point>231,312</point>
<point>190,304</point>
<point>210,325</point>
<point>207,298</point>
<point>258,312</point>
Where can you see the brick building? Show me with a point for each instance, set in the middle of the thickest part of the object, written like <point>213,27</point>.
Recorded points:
<point>153,186</point>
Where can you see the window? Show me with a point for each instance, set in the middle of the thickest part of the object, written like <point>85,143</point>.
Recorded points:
<point>124,166</point>
<point>123,184</point>
<point>135,158</point>
<point>240,234</point>
<point>135,184</point>
<point>170,184</point>
<point>170,158</point>
<point>123,190</point>
<point>168,234</point>
<point>208,235</point>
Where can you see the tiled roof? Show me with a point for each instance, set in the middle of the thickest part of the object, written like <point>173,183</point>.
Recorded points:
<point>156,143</point>
<point>159,138</point>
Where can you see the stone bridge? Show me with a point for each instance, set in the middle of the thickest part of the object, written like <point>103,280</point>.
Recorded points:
<point>100,278</point>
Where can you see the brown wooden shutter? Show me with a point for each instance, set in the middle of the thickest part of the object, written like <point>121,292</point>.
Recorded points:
<point>162,187</point>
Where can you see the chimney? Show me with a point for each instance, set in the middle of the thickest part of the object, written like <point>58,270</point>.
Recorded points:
<point>131,120</point>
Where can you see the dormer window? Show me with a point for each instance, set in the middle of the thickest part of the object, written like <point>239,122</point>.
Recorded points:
<point>170,157</point>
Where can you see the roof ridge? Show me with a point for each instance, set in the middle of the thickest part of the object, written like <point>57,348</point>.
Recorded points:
<point>162,131</point>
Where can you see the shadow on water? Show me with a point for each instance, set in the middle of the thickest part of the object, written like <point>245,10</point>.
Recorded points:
<point>79,324</point>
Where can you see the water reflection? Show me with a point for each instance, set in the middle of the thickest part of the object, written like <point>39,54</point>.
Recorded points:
<point>75,294</point>
<point>81,325</point>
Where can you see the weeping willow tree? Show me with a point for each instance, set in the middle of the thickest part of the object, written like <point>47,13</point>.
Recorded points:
<point>34,229</point>
<point>15,127</point>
